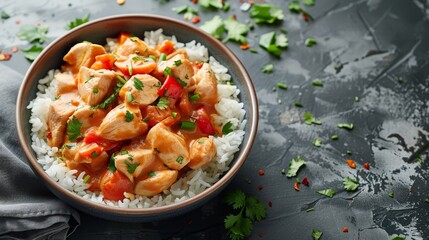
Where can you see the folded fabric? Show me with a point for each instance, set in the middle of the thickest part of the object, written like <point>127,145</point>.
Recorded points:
<point>27,209</point>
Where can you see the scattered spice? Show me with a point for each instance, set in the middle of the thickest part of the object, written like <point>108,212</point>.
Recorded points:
<point>15,49</point>
<point>296,186</point>
<point>366,166</point>
<point>351,163</point>
<point>345,229</point>
<point>261,172</point>
<point>305,181</point>
<point>244,46</point>
<point>306,16</point>
<point>196,19</point>
<point>260,187</point>
<point>5,56</point>
<point>270,204</point>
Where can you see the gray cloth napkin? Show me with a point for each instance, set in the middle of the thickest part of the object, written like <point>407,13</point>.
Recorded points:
<point>27,209</point>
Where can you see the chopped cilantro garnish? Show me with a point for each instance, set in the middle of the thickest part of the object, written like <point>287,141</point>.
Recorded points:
<point>298,104</point>
<point>130,68</point>
<point>345,126</point>
<point>200,140</point>
<point>248,209</point>
<point>111,166</point>
<point>138,84</point>
<point>167,72</point>
<point>4,15</point>
<point>194,97</point>
<point>73,129</point>
<point>131,167</point>
<point>309,210</point>
<point>211,3</point>
<point>151,174</point>
<point>178,62</point>
<point>282,86</point>
<point>427,200</point>
<point>317,83</point>
<point>294,6</point>
<point>309,42</point>
<point>227,128</point>
<point>130,97</point>
<point>273,43</point>
<point>214,27</point>
<point>179,160</point>
<point>350,184</point>
<point>188,12</point>
<point>252,50</point>
<point>316,234</point>
<point>391,194</point>
<point>129,116</point>
<point>309,119</point>
<point>356,99</point>
<point>95,90</point>
<point>174,114</point>
<point>32,33</point>
<point>396,237</point>
<point>294,165</point>
<point>94,154</point>
<point>266,13</point>
<point>267,68</point>
<point>32,52</point>
<point>327,192</point>
<point>334,137</point>
<point>121,79</point>
<point>235,30</point>
<point>162,103</point>
<point>77,22</point>
<point>349,152</point>
<point>86,179</point>
<point>308,2</point>
<point>317,142</point>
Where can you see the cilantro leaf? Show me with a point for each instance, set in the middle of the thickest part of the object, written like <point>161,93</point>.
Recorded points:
<point>427,200</point>
<point>180,9</point>
<point>235,30</point>
<point>294,7</point>
<point>211,3</point>
<point>272,43</point>
<point>316,234</point>
<point>32,33</point>
<point>294,165</point>
<point>317,83</point>
<point>267,68</point>
<point>214,27</point>
<point>73,129</point>
<point>162,103</point>
<point>138,84</point>
<point>236,199</point>
<point>129,116</point>
<point>77,22</point>
<point>131,167</point>
<point>266,13</point>
<point>188,12</point>
<point>227,128</point>
<point>4,15</point>
<point>309,42</point>
<point>255,210</point>
<point>391,194</point>
<point>112,166</point>
<point>350,184</point>
<point>317,142</point>
<point>309,119</point>
<point>32,53</point>
<point>345,126</point>
<point>231,220</point>
<point>282,41</point>
<point>243,227</point>
<point>308,2</point>
<point>327,192</point>
<point>396,237</point>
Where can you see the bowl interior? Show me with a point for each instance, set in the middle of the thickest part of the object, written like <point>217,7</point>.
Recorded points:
<point>96,32</point>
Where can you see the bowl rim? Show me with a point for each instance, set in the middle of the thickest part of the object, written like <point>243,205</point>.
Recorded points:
<point>226,177</point>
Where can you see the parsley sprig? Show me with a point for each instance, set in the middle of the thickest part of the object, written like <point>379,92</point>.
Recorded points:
<point>77,22</point>
<point>73,129</point>
<point>250,209</point>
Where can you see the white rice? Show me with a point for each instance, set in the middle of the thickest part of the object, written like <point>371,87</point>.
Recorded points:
<point>193,182</point>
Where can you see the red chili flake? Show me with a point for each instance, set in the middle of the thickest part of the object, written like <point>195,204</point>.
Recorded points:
<point>17,21</point>
<point>305,181</point>
<point>196,19</point>
<point>15,49</point>
<point>366,166</point>
<point>260,187</point>
<point>234,16</point>
<point>244,46</point>
<point>261,172</point>
<point>261,235</point>
<point>345,229</point>
<point>270,204</point>
<point>194,1</point>
<point>306,16</point>
<point>351,163</point>
<point>296,186</point>
<point>5,56</point>
<point>241,1</point>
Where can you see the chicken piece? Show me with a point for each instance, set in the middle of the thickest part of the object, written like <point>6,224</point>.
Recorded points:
<point>134,45</point>
<point>206,85</point>
<point>93,85</point>
<point>121,123</point>
<point>59,112</point>
<point>181,68</point>
<point>132,163</point>
<point>171,148</point>
<point>135,64</point>
<point>65,83</point>
<point>202,151</point>
<point>93,155</point>
<point>68,152</point>
<point>157,182</point>
<point>82,54</point>
<point>88,117</point>
<point>141,89</point>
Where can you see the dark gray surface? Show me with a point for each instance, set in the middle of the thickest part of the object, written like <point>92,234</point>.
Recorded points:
<point>374,49</point>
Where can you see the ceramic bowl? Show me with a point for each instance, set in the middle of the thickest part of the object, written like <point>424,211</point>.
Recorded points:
<point>96,31</point>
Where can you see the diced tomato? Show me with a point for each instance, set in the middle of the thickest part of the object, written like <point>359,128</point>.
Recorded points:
<point>203,120</point>
<point>345,229</point>
<point>166,47</point>
<point>104,61</point>
<point>92,137</point>
<point>171,88</point>
<point>113,185</point>
<point>366,166</point>
<point>123,36</point>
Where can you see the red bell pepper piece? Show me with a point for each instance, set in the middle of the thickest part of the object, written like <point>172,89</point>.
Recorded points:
<point>171,88</point>
<point>92,137</point>
<point>203,120</point>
